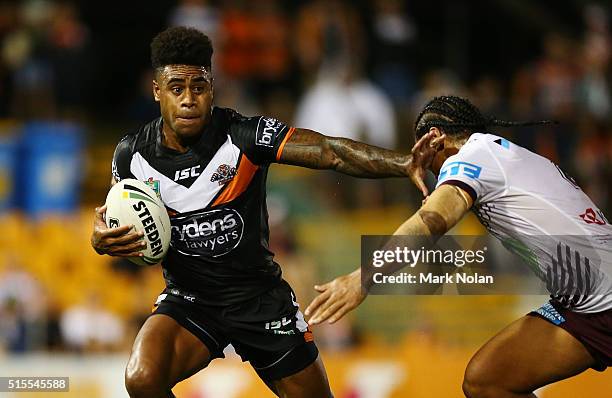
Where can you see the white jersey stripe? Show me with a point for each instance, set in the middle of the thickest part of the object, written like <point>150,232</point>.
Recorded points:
<point>201,192</point>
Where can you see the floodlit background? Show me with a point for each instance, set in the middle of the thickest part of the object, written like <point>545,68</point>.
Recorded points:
<point>75,77</point>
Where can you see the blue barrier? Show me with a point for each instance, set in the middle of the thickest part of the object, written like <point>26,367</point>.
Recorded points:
<point>8,161</point>
<point>51,168</point>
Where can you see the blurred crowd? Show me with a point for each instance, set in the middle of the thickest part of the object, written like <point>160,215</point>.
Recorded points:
<point>352,69</point>
<point>29,320</point>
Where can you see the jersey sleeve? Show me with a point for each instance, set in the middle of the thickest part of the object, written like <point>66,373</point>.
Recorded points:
<point>122,159</point>
<point>475,170</point>
<point>261,138</point>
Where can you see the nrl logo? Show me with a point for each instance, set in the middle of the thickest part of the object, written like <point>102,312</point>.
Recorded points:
<point>224,174</point>
<point>113,222</point>
<point>154,184</point>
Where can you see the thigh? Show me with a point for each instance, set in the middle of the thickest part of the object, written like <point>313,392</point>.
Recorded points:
<point>272,334</point>
<point>310,382</point>
<point>166,351</point>
<point>528,354</point>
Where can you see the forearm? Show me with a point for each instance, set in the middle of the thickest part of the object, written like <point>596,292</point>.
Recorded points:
<point>366,161</point>
<point>420,236</point>
<point>415,225</point>
<point>440,213</point>
<point>316,151</point>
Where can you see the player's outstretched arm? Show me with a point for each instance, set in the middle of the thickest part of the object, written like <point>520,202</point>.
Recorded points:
<point>310,149</point>
<point>120,241</point>
<point>444,208</point>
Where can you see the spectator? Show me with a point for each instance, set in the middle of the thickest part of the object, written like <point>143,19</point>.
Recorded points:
<point>594,85</point>
<point>344,107</point>
<point>199,14</point>
<point>328,36</point>
<point>13,326</point>
<point>22,308</point>
<point>88,327</point>
<point>67,39</point>
<point>25,53</point>
<point>393,35</point>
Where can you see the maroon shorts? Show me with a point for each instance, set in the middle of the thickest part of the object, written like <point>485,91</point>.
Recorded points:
<point>594,330</point>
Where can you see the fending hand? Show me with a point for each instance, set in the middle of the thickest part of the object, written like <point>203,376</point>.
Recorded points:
<point>336,298</point>
<point>423,153</point>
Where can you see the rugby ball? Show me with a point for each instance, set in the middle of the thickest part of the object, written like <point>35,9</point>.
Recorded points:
<point>132,202</point>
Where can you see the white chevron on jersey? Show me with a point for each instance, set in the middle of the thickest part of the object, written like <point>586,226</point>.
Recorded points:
<point>201,192</point>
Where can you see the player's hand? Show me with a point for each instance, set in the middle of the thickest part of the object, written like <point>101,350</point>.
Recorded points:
<point>336,298</point>
<point>423,153</point>
<point>121,241</point>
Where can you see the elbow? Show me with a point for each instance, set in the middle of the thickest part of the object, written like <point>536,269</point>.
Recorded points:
<point>335,163</point>
<point>330,159</point>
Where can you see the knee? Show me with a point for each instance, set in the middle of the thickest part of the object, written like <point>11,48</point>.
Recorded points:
<point>483,379</point>
<point>476,384</point>
<point>472,389</point>
<point>144,381</point>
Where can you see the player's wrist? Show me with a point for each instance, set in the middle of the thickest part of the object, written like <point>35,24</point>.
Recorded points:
<point>365,282</point>
<point>409,167</point>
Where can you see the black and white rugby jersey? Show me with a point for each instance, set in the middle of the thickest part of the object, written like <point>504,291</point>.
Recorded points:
<point>215,194</point>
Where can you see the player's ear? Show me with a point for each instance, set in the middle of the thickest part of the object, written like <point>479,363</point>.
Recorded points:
<point>436,131</point>
<point>156,90</point>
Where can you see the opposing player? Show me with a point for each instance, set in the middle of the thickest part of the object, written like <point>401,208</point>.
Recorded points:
<point>521,197</point>
<point>209,166</point>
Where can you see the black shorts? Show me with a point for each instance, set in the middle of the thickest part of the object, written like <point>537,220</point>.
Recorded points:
<point>594,330</point>
<point>269,331</point>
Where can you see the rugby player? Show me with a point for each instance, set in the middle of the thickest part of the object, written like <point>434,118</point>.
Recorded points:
<point>209,166</point>
<point>518,196</point>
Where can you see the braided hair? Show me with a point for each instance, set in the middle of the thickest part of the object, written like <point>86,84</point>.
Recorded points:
<point>458,116</point>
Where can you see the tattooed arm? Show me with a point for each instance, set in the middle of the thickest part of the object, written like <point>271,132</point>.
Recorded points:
<point>442,210</point>
<point>310,149</point>
<point>446,206</point>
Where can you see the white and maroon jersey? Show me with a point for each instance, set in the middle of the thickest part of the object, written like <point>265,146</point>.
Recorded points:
<point>541,214</point>
<point>215,194</point>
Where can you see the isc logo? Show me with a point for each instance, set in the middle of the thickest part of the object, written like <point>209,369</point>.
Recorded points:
<point>187,173</point>
<point>278,324</point>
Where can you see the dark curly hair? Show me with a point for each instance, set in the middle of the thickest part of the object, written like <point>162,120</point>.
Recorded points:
<point>181,45</point>
<point>457,116</point>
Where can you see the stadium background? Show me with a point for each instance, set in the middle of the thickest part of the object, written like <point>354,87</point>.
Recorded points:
<point>74,78</point>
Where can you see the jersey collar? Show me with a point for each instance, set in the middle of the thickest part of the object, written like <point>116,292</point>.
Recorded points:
<point>207,144</point>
